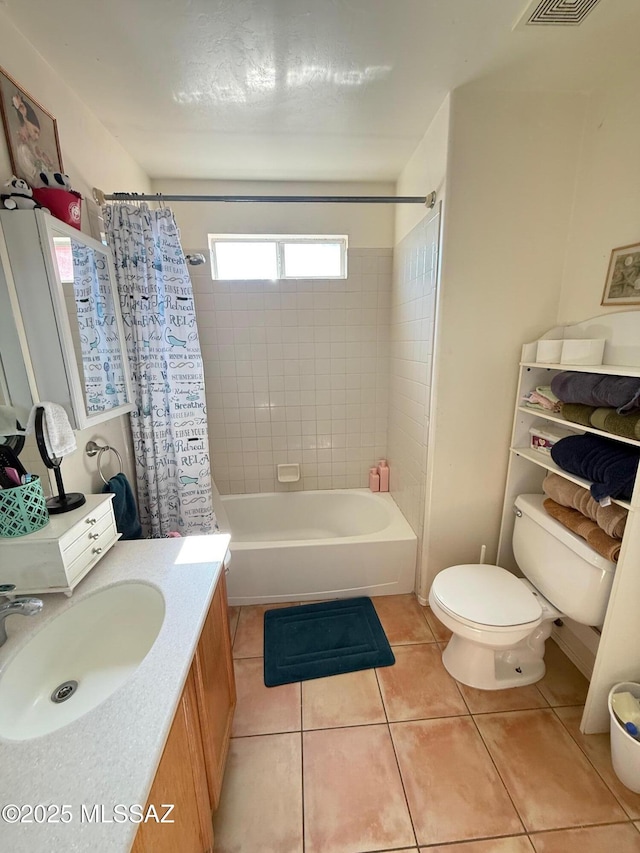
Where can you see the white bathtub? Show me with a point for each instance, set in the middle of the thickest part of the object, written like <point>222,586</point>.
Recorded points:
<point>304,546</point>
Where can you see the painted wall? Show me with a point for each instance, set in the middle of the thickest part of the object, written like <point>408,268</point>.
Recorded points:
<point>510,189</point>
<point>606,209</point>
<point>92,157</point>
<point>426,170</point>
<point>368,225</point>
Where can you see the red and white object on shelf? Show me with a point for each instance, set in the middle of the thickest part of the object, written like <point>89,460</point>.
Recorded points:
<point>545,436</point>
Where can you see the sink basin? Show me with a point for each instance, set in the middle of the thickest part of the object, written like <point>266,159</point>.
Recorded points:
<point>79,659</point>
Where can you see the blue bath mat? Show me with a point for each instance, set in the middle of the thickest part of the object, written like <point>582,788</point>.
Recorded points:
<point>316,640</point>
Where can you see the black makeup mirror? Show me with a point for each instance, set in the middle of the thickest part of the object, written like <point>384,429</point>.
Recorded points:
<point>63,502</point>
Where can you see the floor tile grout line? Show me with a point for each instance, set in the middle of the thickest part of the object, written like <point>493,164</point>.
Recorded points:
<point>304,842</point>
<point>504,784</point>
<point>582,751</point>
<point>404,789</point>
<point>534,831</point>
<point>587,756</point>
<point>395,755</point>
<point>585,826</point>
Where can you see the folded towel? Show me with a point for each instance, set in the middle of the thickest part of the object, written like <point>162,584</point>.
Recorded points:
<point>124,507</point>
<point>609,466</point>
<point>577,413</point>
<point>545,402</point>
<point>576,522</point>
<point>58,435</point>
<point>596,389</point>
<point>610,421</point>
<point>612,519</point>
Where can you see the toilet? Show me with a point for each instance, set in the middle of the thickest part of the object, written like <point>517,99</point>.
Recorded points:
<point>499,621</point>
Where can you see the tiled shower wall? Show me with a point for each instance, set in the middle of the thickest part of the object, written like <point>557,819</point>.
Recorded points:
<point>411,350</point>
<point>296,371</point>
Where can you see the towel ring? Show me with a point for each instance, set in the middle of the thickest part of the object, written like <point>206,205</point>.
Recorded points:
<point>92,449</point>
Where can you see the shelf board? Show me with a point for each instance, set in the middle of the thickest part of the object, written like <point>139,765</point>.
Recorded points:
<point>607,369</point>
<point>545,461</point>
<point>550,416</point>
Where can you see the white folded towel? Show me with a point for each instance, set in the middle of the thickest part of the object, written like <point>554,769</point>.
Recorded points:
<point>58,435</point>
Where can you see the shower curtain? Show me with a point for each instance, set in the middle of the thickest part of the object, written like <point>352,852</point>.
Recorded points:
<point>99,346</point>
<point>169,420</point>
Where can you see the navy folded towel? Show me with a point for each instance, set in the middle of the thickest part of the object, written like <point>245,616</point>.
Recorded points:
<point>611,467</point>
<point>124,507</point>
<point>596,389</point>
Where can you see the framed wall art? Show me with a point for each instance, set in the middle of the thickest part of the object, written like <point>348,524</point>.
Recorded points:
<point>31,132</point>
<point>622,286</point>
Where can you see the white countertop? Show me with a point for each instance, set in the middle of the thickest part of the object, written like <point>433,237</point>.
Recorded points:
<point>111,754</point>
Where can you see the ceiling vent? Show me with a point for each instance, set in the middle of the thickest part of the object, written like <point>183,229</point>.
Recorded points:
<point>556,13</point>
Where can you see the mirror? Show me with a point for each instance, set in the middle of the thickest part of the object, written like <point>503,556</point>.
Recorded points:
<point>89,301</point>
<point>60,322</point>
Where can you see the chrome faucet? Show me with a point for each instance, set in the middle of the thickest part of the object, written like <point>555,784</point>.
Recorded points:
<point>25,606</point>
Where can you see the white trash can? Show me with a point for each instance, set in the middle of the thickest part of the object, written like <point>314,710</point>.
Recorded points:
<point>625,750</point>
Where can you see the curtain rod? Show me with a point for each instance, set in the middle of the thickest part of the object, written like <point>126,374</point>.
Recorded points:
<point>429,200</point>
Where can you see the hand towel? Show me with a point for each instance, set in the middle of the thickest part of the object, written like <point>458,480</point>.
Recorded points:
<point>58,435</point>
<point>124,507</point>
<point>609,466</point>
<point>598,389</point>
<point>576,522</point>
<point>612,519</point>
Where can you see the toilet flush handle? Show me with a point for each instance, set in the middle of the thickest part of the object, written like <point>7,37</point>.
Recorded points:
<point>517,511</point>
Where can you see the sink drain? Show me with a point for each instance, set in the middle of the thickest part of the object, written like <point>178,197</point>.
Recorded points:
<point>64,691</point>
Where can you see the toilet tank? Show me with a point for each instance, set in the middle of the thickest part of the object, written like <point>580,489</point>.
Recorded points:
<point>570,574</point>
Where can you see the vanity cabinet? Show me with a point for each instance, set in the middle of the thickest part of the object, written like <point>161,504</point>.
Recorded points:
<point>180,780</point>
<point>611,654</point>
<point>64,338</point>
<point>59,555</point>
<point>192,765</point>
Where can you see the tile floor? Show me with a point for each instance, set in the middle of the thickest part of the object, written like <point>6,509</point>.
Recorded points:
<point>404,759</point>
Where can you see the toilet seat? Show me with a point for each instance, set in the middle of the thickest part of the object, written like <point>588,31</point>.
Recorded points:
<point>480,595</point>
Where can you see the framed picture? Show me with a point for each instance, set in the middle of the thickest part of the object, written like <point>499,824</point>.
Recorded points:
<point>623,278</point>
<point>31,132</point>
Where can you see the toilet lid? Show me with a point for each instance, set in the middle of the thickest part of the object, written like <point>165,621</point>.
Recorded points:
<point>487,595</point>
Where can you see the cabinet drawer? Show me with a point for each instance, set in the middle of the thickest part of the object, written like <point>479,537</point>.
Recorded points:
<point>92,554</point>
<point>90,535</point>
<point>85,526</point>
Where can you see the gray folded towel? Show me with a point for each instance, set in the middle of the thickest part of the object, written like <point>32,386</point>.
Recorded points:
<point>596,389</point>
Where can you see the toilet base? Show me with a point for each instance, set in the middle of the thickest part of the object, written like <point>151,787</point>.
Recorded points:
<point>494,669</point>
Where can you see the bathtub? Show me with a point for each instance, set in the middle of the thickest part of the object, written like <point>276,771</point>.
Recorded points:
<point>305,546</point>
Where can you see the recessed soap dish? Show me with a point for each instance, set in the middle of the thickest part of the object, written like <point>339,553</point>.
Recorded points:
<point>289,472</point>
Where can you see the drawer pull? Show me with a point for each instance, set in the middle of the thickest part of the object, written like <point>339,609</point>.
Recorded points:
<point>91,520</point>
<point>94,536</point>
<point>96,550</point>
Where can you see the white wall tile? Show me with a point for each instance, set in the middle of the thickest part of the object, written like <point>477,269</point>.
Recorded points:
<point>411,335</point>
<point>297,371</point>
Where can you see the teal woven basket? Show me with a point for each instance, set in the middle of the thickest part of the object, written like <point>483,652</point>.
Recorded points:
<point>23,509</point>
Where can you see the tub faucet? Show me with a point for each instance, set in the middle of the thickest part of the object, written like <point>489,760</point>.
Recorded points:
<point>25,606</point>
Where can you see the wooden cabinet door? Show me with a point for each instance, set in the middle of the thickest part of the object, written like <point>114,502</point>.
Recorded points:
<point>180,780</point>
<point>216,689</point>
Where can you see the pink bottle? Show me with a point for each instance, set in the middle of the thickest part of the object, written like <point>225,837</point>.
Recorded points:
<point>383,474</point>
<point>374,480</point>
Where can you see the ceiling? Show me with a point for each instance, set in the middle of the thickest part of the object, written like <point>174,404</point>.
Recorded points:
<point>304,89</point>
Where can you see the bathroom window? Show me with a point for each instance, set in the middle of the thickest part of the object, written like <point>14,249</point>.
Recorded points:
<point>275,256</point>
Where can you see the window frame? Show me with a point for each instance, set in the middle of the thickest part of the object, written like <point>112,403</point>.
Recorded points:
<point>280,240</point>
